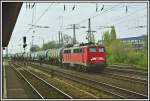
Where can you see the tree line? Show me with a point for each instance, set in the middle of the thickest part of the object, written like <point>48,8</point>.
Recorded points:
<point>123,52</point>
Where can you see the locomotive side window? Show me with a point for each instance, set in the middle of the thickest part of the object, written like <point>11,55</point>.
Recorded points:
<point>92,49</point>
<point>67,51</point>
<point>74,51</point>
<point>101,49</point>
<point>79,50</point>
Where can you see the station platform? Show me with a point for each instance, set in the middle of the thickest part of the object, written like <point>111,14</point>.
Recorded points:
<point>13,88</point>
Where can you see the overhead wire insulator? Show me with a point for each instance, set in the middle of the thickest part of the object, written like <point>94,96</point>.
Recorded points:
<point>73,7</point>
<point>96,7</point>
<point>29,5</point>
<point>64,7</point>
<point>126,9</point>
<point>26,5</point>
<point>102,8</point>
<point>33,5</point>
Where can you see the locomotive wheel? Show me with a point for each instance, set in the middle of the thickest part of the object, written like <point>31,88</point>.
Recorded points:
<point>83,68</point>
<point>61,65</point>
<point>77,67</point>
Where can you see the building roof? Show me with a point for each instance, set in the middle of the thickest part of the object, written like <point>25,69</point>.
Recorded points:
<point>134,38</point>
<point>10,12</point>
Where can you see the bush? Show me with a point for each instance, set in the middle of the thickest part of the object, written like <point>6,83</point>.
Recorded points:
<point>119,52</point>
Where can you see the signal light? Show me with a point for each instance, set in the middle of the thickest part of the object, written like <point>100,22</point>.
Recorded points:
<point>24,39</point>
<point>24,45</point>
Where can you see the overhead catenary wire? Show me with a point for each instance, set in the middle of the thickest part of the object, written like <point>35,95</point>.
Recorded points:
<point>128,15</point>
<point>137,10</point>
<point>105,11</point>
<point>123,18</point>
<point>46,10</point>
<point>116,21</point>
<point>108,10</point>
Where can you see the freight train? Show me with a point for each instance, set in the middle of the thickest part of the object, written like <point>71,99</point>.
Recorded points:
<point>84,57</point>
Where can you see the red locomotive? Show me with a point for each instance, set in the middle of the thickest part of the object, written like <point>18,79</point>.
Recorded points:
<point>88,57</point>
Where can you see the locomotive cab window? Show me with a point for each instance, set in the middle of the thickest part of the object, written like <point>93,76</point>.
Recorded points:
<point>92,49</point>
<point>101,49</point>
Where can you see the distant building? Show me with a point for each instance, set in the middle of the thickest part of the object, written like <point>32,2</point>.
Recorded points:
<point>137,42</point>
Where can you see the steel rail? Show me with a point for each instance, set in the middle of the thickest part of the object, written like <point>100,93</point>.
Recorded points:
<point>124,77</point>
<point>57,89</point>
<point>111,86</point>
<point>125,70</point>
<point>80,81</point>
<point>34,89</point>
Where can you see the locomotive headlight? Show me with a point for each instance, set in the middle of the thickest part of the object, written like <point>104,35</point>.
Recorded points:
<point>93,58</point>
<point>97,58</point>
<point>101,58</point>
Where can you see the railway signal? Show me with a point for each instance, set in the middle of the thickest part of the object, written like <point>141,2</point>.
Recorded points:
<point>24,43</point>
<point>24,39</point>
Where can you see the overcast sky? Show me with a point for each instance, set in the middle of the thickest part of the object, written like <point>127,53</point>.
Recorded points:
<point>54,16</point>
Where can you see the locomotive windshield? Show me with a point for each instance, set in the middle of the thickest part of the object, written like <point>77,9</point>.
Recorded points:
<point>92,49</point>
<point>101,49</point>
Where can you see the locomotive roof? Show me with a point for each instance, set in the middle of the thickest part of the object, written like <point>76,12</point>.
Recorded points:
<point>83,46</point>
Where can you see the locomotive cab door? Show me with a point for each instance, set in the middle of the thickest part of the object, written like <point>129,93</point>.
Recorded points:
<point>84,55</point>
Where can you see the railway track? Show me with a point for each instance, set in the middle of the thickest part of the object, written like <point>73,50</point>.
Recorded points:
<point>114,90</point>
<point>82,93</point>
<point>126,66</point>
<point>123,81</point>
<point>43,89</point>
<point>126,78</point>
<point>126,69</point>
<point>128,73</point>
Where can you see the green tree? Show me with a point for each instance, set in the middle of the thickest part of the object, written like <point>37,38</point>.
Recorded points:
<point>145,43</point>
<point>51,44</point>
<point>123,52</point>
<point>106,38</point>
<point>113,34</point>
<point>35,48</point>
